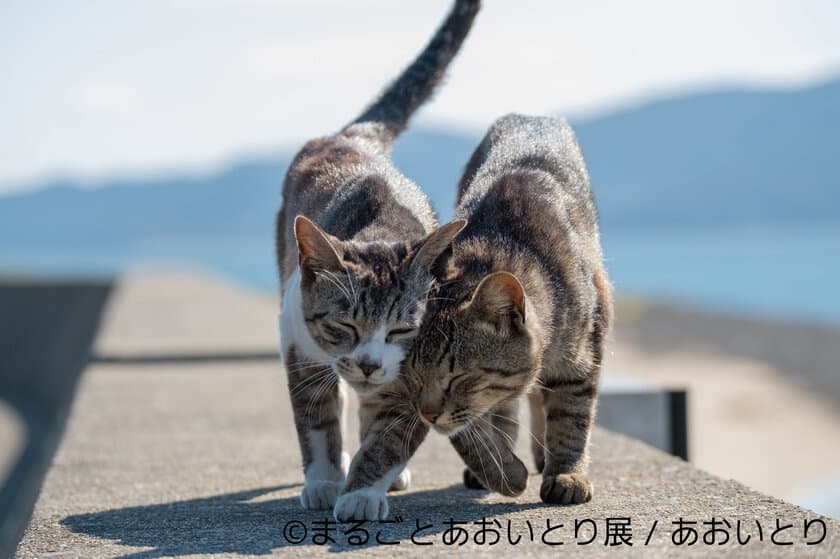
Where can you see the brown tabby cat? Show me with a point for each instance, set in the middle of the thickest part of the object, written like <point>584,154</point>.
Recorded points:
<point>356,271</point>
<point>524,306</point>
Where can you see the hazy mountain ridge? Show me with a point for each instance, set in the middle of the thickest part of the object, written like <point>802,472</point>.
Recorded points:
<point>718,158</point>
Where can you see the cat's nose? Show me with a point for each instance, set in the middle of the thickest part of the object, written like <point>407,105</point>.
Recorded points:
<point>430,416</point>
<point>368,367</point>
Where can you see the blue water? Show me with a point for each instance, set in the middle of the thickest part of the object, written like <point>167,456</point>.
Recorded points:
<point>788,273</point>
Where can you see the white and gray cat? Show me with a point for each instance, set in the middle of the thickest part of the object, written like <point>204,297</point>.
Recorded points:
<point>356,247</point>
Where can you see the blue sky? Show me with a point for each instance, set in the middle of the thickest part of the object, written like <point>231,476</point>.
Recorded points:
<point>100,87</point>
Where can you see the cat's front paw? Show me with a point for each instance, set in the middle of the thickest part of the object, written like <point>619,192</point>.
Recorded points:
<point>566,489</point>
<point>511,480</point>
<point>320,494</point>
<point>362,504</point>
<point>471,481</point>
<point>402,482</point>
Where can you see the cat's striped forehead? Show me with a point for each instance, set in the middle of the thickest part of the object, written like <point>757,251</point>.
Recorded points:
<point>377,263</point>
<point>374,288</point>
<point>435,344</point>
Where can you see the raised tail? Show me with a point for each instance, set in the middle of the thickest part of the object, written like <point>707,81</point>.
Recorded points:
<point>416,84</point>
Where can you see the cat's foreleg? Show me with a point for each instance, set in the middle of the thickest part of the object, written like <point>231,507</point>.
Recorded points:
<point>569,405</point>
<point>317,402</point>
<point>392,438</point>
<point>487,447</point>
<point>367,413</point>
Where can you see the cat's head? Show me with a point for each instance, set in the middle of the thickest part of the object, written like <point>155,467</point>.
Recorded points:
<point>474,351</point>
<point>363,303</point>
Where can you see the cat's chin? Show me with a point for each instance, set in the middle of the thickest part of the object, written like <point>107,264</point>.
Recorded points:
<point>447,430</point>
<point>363,387</point>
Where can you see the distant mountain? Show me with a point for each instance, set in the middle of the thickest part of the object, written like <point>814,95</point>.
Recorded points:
<point>729,157</point>
<point>721,158</point>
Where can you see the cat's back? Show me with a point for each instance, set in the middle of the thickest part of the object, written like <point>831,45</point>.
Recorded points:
<point>522,144</point>
<point>527,180</point>
<point>348,184</point>
<point>323,165</point>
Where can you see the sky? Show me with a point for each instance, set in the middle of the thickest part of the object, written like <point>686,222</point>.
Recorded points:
<point>98,88</point>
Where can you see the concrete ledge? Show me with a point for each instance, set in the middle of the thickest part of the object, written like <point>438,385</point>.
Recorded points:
<point>201,460</point>
<point>198,458</point>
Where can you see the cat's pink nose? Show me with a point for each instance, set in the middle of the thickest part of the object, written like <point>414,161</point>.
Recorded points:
<point>368,368</point>
<point>431,417</point>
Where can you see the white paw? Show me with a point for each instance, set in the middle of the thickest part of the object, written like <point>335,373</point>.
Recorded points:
<point>362,504</point>
<point>402,482</point>
<point>320,494</point>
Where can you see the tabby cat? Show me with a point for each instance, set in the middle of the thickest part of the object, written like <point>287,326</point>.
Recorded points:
<point>523,306</point>
<point>356,270</point>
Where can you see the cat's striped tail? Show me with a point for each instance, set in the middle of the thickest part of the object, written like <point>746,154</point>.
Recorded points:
<point>416,84</point>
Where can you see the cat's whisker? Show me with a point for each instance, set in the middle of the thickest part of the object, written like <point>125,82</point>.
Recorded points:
<point>504,435</point>
<point>393,423</point>
<point>300,367</point>
<point>352,286</point>
<point>334,280</point>
<point>333,383</point>
<point>406,446</point>
<point>314,377</point>
<point>473,439</point>
<point>311,380</point>
<point>312,362</point>
<point>396,418</point>
<point>344,287</point>
<point>442,333</point>
<point>498,462</point>
<point>526,428</point>
<point>318,397</point>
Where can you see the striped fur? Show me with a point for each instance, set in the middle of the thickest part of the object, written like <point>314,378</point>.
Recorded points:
<point>523,307</point>
<point>356,270</point>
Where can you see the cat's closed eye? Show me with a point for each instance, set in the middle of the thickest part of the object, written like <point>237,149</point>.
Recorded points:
<point>397,334</point>
<point>449,383</point>
<point>339,332</point>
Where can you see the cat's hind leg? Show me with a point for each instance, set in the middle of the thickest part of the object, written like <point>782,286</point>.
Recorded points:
<point>535,401</point>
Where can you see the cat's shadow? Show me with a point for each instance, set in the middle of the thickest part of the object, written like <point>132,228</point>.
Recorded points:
<point>252,523</point>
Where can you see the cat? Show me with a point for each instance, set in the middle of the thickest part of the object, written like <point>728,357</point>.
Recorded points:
<point>356,243</point>
<point>523,306</point>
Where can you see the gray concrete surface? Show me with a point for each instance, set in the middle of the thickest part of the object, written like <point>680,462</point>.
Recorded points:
<point>201,460</point>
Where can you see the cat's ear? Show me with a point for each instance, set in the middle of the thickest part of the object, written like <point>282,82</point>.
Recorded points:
<point>435,244</point>
<point>316,250</point>
<point>499,299</point>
